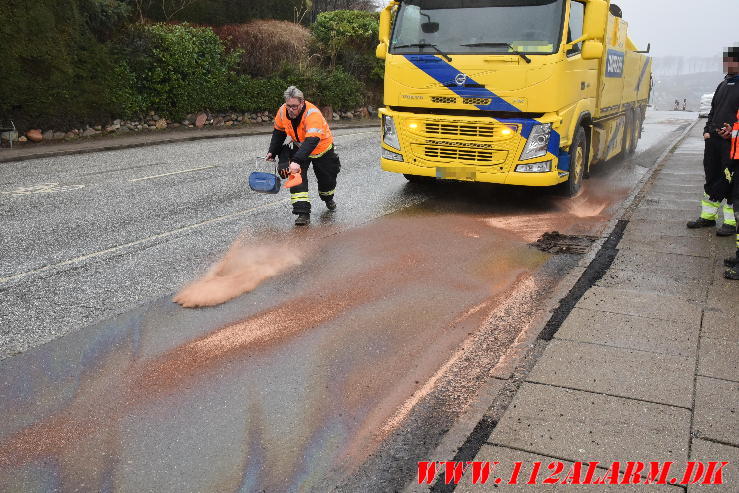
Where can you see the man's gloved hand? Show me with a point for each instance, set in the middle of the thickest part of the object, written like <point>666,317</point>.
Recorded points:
<point>294,167</point>
<point>283,170</point>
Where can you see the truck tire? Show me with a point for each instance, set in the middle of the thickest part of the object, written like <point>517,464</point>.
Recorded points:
<point>633,132</point>
<point>578,163</point>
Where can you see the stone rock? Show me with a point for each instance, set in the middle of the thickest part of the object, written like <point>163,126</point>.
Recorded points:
<point>58,135</point>
<point>89,132</point>
<point>200,120</point>
<point>218,121</point>
<point>48,135</point>
<point>186,122</point>
<point>117,122</point>
<point>229,123</point>
<point>176,125</point>
<point>35,135</point>
<point>151,113</point>
<point>364,113</point>
<point>336,116</point>
<point>9,136</point>
<point>124,130</point>
<point>161,124</point>
<point>99,128</point>
<point>70,135</point>
<point>155,118</point>
<point>22,138</point>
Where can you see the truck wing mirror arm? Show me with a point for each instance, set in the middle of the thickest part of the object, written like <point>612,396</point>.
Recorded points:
<point>649,47</point>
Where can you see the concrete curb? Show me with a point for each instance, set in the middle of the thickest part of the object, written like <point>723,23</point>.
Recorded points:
<point>527,350</point>
<point>151,139</point>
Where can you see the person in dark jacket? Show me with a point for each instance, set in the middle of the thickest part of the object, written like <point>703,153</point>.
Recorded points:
<point>312,142</point>
<point>716,161</point>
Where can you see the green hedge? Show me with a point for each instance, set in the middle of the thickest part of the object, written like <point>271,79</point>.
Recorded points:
<point>54,69</point>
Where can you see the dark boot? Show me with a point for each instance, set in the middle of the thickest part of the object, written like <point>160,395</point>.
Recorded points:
<point>725,230</point>
<point>732,261</point>
<point>701,223</point>
<point>331,205</point>
<point>302,220</point>
<point>732,273</point>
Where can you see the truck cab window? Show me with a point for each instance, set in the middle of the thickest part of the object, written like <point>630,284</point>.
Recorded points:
<point>575,30</point>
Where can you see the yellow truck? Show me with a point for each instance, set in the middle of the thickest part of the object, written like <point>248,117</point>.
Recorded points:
<point>519,92</point>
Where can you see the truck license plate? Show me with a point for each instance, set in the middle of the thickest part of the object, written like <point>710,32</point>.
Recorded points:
<point>464,174</point>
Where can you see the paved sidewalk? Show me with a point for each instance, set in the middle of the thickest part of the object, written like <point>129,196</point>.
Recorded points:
<point>645,366</point>
<point>111,142</point>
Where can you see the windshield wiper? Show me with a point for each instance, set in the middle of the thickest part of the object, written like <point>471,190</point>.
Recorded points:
<point>426,45</point>
<point>514,51</point>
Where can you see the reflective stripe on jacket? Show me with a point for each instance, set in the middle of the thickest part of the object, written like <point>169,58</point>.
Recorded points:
<point>735,139</point>
<point>312,124</point>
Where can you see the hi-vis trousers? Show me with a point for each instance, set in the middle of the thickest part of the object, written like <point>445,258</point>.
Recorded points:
<point>717,165</point>
<point>326,168</point>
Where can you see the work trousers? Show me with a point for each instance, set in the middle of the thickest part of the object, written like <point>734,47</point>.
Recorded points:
<point>326,168</point>
<point>717,163</point>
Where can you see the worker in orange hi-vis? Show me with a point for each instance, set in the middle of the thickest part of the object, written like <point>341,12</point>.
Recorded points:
<point>733,262</point>
<point>312,142</point>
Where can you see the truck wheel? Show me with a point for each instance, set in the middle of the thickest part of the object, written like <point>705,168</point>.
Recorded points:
<point>418,179</point>
<point>578,163</point>
<point>633,132</point>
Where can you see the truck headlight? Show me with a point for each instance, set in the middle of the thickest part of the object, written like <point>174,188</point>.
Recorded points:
<point>538,142</point>
<point>543,167</point>
<point>389,134</point>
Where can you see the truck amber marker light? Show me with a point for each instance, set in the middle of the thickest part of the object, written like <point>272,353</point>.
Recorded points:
<point>576,473</point>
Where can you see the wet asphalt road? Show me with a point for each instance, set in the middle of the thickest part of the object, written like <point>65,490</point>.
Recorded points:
<point>362,354</point>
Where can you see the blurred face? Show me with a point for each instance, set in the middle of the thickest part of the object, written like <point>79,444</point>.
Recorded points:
<point>294,107</point>
<point>731,66</point>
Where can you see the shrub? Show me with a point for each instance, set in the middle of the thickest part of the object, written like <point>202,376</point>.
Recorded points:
<point>266,45</point>
<point>349,39</point>
<point>175,69</point>
<point>54,71</point>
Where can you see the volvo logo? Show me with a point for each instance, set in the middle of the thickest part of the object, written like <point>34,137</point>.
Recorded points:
<point>460,79</point>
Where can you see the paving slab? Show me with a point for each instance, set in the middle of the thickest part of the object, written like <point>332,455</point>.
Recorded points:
<point>704,451</point>
<point>660,378</point>
<point>641,304</point>
<point>715,416</point>
<point>630,332</point>
<point>680,245</point>
<point>508,457</point>
<point>577,425</point>
<point>667,228</point>
<point>718,325</point>
<point>689,289</point>
<point>663,214</point>
<point>632,256</point>
<point>719,359</point>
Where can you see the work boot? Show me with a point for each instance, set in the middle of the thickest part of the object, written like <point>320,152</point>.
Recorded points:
<point>732,261</point>
<point>331,205</point>
<point>302,220</point>
<point>726,230</point>
<point>701,223</point>
<point>732,273</point>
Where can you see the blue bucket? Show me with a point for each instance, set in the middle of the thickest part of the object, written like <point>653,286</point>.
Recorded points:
<point>262,182</point>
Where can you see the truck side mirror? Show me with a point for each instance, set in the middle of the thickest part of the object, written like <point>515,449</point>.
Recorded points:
<point>592,50</point>
<point>596,19</point>
<point>381,51</point>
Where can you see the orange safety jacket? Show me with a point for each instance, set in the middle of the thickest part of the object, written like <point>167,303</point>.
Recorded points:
<point>735,139</point>
<point>312,124</point>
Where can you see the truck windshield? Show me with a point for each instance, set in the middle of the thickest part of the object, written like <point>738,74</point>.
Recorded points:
<point>478,26</point>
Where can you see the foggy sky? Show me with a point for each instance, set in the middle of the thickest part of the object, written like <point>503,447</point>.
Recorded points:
<point>682,27</point>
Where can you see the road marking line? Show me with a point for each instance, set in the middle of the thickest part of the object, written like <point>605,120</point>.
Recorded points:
<point>138,242</point>
<point>172,173</point>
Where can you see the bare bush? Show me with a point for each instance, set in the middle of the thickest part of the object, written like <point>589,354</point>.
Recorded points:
<point>267,45</point>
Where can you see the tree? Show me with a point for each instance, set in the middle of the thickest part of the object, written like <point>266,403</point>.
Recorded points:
<point>318,6</point>
<point>168,8</point>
